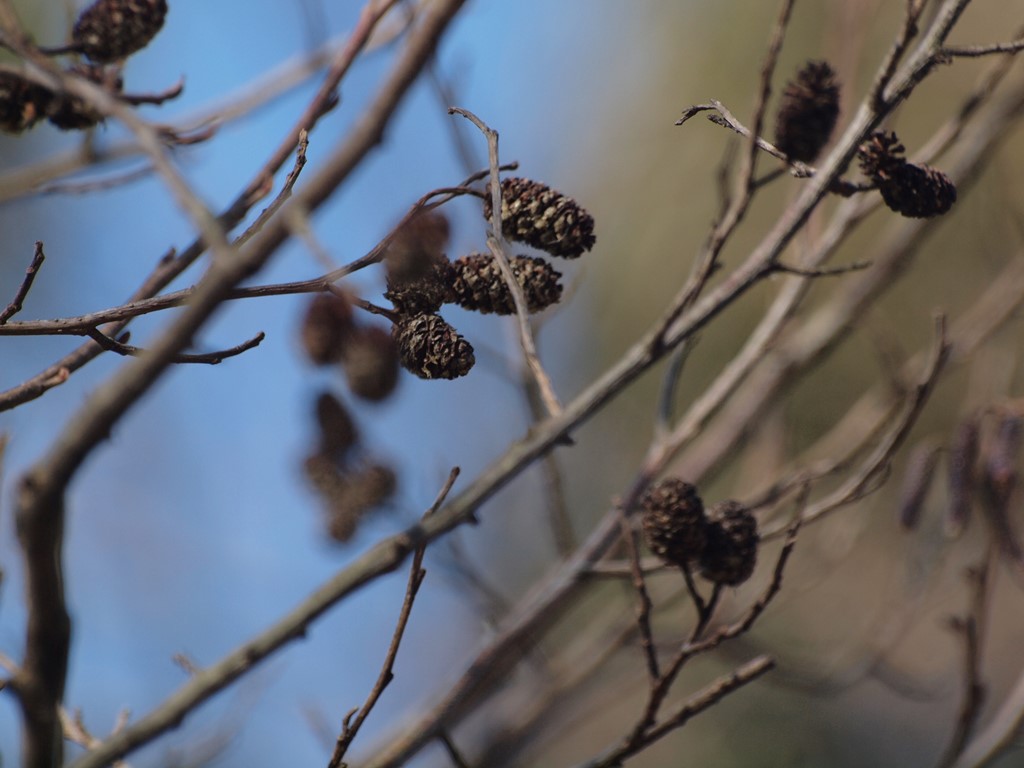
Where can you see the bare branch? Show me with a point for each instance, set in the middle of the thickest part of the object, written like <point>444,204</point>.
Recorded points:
<point>350,728</point>
<point>26,285</point>
<point>206,358</point>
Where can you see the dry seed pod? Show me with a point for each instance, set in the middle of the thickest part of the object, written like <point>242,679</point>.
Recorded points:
<point>326,327</point>
<point>673,521</point>
<point>430,348</point>
<point>370,485</point>
<point>917,479</point>
<point>537,215</point>
<point>70,113</point>
<point>425,293</point>
<point>110,30</point>
<point>22,102</point>
<point>348,494</point>
<point>416,246</point>
<point>916,191</point>
<point>369,357</point>
<point>338,431</point>
<point>808,112</point>
<point>730,553</point>
<point>479,285</point>
<point>963,458</point>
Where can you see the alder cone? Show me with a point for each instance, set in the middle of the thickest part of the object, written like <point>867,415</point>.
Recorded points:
<point>326,327</point>
<point>338,432</point>
<point>673,521</point>
<point>808,112</point>
<point>70,113</point>
<point>537,215</point>
<point>730,553</point>
<point>915,191</point>
<point>431,349</point>
<point>369,358</point>
<point>110,30</point>
<point>425,292</point>
<point>918,192</point>
<point>22,102</point>
<point>478,284</point>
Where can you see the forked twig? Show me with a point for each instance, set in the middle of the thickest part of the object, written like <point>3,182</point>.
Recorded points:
<point>350,726</point>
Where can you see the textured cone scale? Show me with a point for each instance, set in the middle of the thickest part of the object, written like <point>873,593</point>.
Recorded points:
<point>537,215</point>
<point>425,292</point>
<point>478,284</point>
<point>673,521</point>
<point>808,112</point>
<point>730,552</point>
<point>370,360</point>
<point>916,191</point>
<point>326,326</point>
<point>110,30</point>
<point>432,349</point>
<point>22,102</point>
<point>69,113</point>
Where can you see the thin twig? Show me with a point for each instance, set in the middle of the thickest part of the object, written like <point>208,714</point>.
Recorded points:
<point>496,244</point>
<point>205,358</point>
<point>970,629</point>
<point>970,51</point>
<point>350,727</point>
<point>26,285</point>
<point>699,702</point>
<point>643,604</point>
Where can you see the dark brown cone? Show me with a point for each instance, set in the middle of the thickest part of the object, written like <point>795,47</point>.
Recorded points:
<point>730,553</point>
<point>326,326</point>
<point>432,349</point>
<point>360,491</point>
<point>110,30</point>
<point>426,292</point>
<point>916,191</point>
<point>22,102</point>
<point>370,360</point>
<point>673,521</point>
<point>537,215</point>
<point>808,112</point>
<point>416,246</point>
<point>348,494</point>
<point>338,431</point>
<point>70,113</point>
<point>478,284</point>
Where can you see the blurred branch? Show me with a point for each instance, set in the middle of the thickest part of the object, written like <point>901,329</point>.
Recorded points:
<point>969,628</point>
<point>693,706</point>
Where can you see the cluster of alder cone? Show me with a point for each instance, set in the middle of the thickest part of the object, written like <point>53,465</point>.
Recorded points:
<point>804,125</point>
<point>721,542</point>
<point>420,280</point>
<point>106,33</point>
